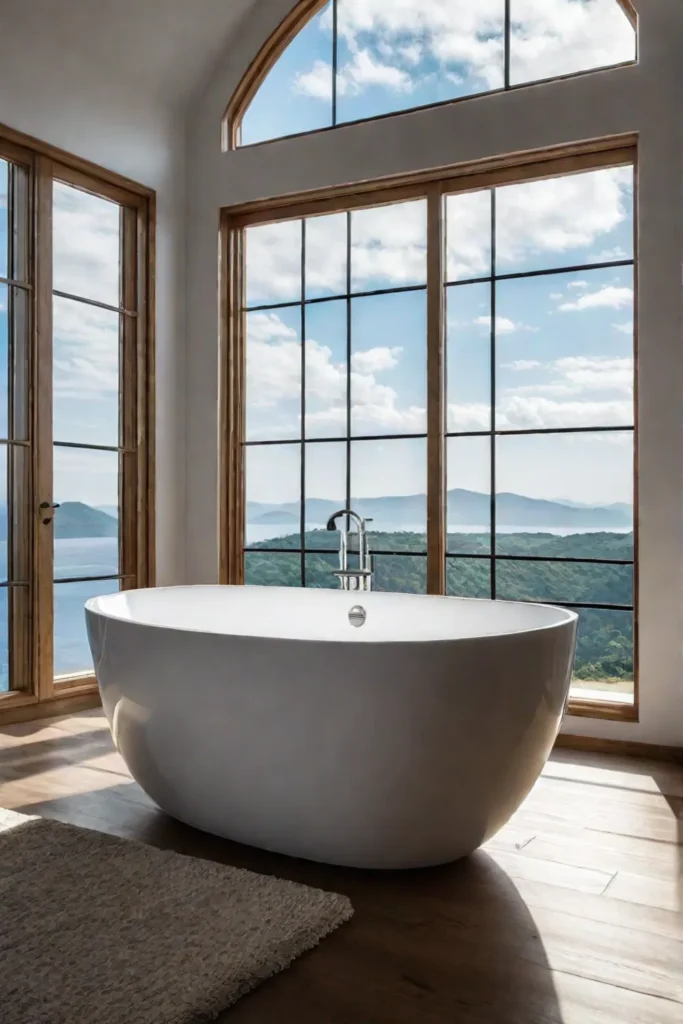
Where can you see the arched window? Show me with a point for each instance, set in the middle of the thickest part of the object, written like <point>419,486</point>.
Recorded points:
<point>341,61</point>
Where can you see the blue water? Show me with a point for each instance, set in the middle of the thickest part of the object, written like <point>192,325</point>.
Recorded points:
<point>73,558</point>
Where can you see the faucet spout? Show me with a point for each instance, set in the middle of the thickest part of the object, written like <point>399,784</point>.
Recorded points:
<point>352,579</point>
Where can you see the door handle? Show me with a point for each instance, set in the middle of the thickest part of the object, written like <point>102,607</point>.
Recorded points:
<point>44,506</point>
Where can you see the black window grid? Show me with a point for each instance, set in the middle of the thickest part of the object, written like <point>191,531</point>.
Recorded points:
<point>493,556</point>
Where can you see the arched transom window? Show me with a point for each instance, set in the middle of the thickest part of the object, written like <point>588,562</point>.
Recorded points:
<point>349,60</point>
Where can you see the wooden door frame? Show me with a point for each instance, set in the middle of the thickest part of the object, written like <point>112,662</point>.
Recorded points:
<point>432,186</point>
<point>137,525</point>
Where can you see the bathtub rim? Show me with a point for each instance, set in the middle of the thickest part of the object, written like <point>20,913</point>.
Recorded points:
<point>567,616</point>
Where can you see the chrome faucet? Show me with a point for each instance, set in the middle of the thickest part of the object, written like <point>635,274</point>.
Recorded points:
<point>353,579</point>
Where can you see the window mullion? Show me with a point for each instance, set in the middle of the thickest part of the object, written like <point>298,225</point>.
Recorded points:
<point>436,471</point>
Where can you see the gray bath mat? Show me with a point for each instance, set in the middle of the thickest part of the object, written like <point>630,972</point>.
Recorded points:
<point>99,930</point>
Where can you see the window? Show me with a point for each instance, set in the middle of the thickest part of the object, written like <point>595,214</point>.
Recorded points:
<point>350,60</point>
<point>74,432</point>
<point>464,346</point>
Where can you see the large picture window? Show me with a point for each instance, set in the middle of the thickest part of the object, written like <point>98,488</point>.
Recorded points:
<point>341,61</point>
<point>455,361</point>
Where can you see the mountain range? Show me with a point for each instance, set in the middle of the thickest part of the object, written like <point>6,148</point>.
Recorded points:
<point>464,508</point>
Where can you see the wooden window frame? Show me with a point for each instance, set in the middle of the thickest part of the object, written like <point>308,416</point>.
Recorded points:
<point>44,163</point>
<point>297,19</point>
<point>432,186</point>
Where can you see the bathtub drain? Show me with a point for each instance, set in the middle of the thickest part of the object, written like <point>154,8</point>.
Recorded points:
<point>357,616</point>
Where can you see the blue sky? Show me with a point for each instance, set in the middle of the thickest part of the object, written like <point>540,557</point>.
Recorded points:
<point>564,344</point>
<point>404,54</point>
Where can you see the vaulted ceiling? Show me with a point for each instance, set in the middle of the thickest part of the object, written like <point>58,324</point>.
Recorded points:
<point>165,48</point>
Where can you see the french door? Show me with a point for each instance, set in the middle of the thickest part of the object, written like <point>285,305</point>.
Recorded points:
<point>74,411</point>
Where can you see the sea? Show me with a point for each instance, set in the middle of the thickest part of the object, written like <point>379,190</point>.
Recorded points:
<point>74,558</point>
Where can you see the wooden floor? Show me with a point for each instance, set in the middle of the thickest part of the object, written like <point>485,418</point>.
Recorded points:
<point>573,913</point>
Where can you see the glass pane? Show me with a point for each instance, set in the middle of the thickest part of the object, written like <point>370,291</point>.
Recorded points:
<point>552,39</point>
<point>296,96</point>
<point>325,491</point>
<point>389,364</point>
<point>71,650</point>
<point>400,574</point>
<point>468,479</point>
<point>468,235</point>
<point>604,654</point>
<point>576,487</point>
<point>4,642</point>
<point>565,222</point>
<point>16,318</point>
<point>86,245</point>
<point>468,310</point>
<point>389,486</point>
<point>86,485</point>
<point>4,204</point>
<point>320,571</point>
<point>273,402</point>
<point>272,570</point>
<point>273,489</point>
<point>402,55</point>
<point>468,577</point>
<point>4,358</point>
<point>326,369</point>
<point>326,255</point>
<point>389,246</point>
<point>565,358</point>
<point>85,373</point>
<point>272,260</point>
<point>559,582</point>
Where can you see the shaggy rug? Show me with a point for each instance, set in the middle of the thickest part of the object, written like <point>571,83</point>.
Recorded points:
<point>100,930</point>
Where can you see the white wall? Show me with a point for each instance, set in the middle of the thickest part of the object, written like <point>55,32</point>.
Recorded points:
<point>65,98</point>
<point>645,98</point>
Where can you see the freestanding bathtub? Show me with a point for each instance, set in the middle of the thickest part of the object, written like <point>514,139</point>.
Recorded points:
<point>267,716</point>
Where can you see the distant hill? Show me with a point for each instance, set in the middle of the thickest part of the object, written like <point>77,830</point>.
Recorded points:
<point>74,519</point>
<point>465,508</point>
<point>109,510</point>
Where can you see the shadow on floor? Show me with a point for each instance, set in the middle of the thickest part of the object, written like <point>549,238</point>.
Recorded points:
<point>440,946</point>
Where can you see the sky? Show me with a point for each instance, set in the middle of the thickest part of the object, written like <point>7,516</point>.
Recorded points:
<point>404,54</point>
<point>85,341</point>
<point>564,344</point>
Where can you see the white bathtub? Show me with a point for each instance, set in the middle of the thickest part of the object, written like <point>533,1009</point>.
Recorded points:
<point>263,715</point>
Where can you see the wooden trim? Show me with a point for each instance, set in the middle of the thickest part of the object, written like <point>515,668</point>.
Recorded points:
<point>147,394</point>
<point>50,708</point>
<point>255,74</point>
<point>623,748</point>
<point>96,186</point>
<point>43,649</point>
<point>16,154</point>
<point>129,504</point>
<point>29,144</point>
<point>630,12</point>
<point>436,466</point>
<point>232,413</point>
<point>613,711</point>
<point>468,177</point>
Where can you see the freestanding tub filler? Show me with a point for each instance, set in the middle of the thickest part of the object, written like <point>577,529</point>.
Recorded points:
<point>371,730</point>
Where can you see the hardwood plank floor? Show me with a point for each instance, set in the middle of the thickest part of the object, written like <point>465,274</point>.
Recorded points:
<point>573,913</point>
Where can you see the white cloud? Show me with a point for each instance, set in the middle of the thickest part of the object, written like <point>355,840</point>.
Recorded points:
<point>597,372</point>
<point>86,245</point>
<point>610,297</point>
<point>316,82</point>
<point>523,364</point>
<point>616,253</point>
<point>625,328</point>
<point>86,351</point>
<point>274,386</point>
<point>556,296</point>
<point>503,324</point>
<point>578,284</point>
<point>374,360</point>
<point>364,71</point>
